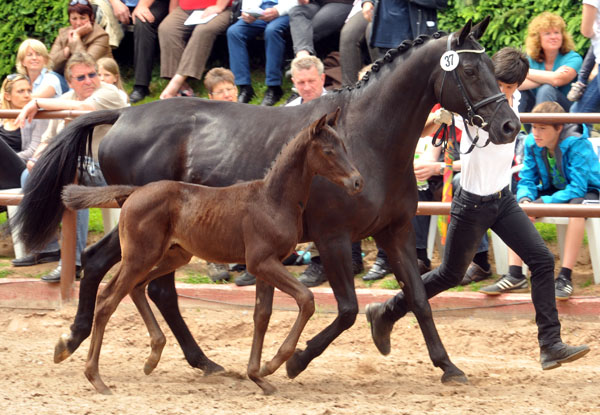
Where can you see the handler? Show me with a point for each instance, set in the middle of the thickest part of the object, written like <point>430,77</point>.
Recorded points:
<point>485,201</point>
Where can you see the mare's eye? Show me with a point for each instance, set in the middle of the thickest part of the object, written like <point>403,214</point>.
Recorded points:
<point>469,72</point>
<point>328,151</point>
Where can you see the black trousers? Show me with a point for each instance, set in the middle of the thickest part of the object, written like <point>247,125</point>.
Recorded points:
<point>145,42</point>
<point>470,218</point>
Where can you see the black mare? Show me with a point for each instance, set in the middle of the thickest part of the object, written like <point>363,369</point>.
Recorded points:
<point>218,144</point>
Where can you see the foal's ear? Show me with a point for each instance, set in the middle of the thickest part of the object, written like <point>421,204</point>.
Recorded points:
<point>465,32</point>
<point>333,118</point>
<point>317,126</point>
<point>480,27</point>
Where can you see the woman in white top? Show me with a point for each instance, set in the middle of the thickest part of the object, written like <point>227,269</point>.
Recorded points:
<point>33,60</point>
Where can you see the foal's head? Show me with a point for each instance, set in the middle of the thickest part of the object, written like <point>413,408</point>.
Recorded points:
<point>327,155</point>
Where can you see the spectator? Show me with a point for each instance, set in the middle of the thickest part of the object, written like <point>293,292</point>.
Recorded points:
<point>83,35</point>
<point>108,71</point>
<point>553,64</point>
<point>220,84</point>
<point>269,17</point>
<point>313,21</point>
<point>590,27</point>
<point>87,93</point>
<point>145,15</point>
<point>33,60</point>
<point>184,49</point>
<point>354,37</point>
<point>560,166</point>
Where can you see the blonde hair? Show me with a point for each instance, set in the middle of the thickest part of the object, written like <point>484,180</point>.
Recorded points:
<point>7,86</point>
<point>38,47</point>
<point>217,75</point>
<point>82,58</point>
<point>307,62</point>
<point>544,21</point>
<point>111,66</point>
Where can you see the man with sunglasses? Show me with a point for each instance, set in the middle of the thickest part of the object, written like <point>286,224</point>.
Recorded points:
<point>87,94</point>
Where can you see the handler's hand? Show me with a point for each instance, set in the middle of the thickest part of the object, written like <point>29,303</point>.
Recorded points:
<point>442,116</point>
<point>425,169</point>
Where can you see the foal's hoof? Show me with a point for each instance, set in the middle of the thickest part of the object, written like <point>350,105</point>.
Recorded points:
<point>294,365</point>
<point>61,350</point>
<point>456,377</point>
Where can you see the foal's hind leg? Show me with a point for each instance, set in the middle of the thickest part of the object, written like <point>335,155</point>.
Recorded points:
<point>399,244</point>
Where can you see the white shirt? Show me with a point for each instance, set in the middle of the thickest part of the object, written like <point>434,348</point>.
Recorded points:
<point>596,37</point>
<point>298,101</point>
<point>485,170</point>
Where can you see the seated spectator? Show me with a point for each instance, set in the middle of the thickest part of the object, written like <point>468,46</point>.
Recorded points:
<point>560,166</point>
<point>87,93</point>
<point>354,38</point>
<point>270,18</point>
<point>184,49</point>
<point>220,85</point>
<point>108,71</point>
<point>553,63</point>
<point>33,60</point>
<point>590,97</point>
<point>145,15</point>
<point>313,21</point>
<point>82,35</point>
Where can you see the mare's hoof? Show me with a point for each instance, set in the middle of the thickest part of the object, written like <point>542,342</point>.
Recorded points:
<point>209,367</point>
<point>294,365</point>
<point>455,378</point>
<point>380,328</point>
<point>61,350</point>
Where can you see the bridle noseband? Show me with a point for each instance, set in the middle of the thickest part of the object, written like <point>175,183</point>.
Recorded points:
<point>472,117</point>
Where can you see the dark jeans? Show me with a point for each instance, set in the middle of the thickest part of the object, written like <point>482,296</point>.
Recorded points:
<point>145,38</point>
<point>470,219</point>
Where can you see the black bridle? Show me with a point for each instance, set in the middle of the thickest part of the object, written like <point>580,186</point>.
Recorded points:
<point>473,118</point>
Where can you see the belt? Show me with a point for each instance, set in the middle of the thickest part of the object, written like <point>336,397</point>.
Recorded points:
<point>487,198</point>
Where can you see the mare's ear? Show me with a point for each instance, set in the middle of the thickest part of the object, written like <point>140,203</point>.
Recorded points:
<point>479,29</point>
<point>317,126</point>
<point>333,118</point>
<point>465,32</point>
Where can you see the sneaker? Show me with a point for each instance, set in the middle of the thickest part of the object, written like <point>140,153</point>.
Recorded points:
<point>475,274</point>
<point>552,356</point>
<point>379,270</point>
<point>218,272</point>
<point>54,275</point>
<point>313,275</point>
<point>507,283</point>
<point>576,92</point>
<point>563,288</point>
<point>245,279</point>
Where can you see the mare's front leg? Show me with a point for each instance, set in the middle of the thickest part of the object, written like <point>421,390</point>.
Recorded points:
<point>336,257</point>
<point>398,242</point>
<point>97,261</point>
<point>263,308</point>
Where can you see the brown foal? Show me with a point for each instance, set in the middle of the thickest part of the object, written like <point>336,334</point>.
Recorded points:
<point>258,223</point>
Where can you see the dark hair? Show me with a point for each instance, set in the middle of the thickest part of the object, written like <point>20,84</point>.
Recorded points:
<point>510,65</point>
<point>82,9</point>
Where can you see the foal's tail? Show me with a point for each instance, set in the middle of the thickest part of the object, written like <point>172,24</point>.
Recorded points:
<point>41,209</point>
<point>81,197</point>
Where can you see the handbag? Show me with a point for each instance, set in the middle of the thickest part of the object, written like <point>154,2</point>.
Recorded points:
<point>236,11</point>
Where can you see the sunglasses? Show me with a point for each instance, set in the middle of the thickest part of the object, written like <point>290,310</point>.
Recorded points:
<point>74,2</point>
<point>16,76</point>
<point>90,75</point>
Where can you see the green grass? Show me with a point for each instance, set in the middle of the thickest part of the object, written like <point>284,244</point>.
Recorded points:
<point>5,273</point>
<point>2,218</point>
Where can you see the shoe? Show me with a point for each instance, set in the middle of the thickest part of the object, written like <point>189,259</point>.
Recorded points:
<point>186,92</point>
<point>506,283</point>
<point>554,355</point>
<point>54,275</point>
<point>272,96</point>
<point>218,272</point>
<point>245,279</point>
<point>237,267</point>
<point>563,288</point>
<point>576,92</point>
<point>292,97</point>
<point>423,267</point>
<point>379,270</point>
<point>138,93</point>
<point>475,274</point>
<point>34,259</point>
<point>313,275</point>
<point>246,94</point>
<point>380,329</point>
<point>357,267</point>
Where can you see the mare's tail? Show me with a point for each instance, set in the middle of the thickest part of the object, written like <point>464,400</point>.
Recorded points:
<point>81,197</point>
<point>41,209</point>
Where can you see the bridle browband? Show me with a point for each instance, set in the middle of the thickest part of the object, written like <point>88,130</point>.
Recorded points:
<point>472,117</point>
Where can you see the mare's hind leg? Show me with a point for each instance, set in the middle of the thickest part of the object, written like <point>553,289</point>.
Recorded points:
<point>337,260</point>
<point>96,260</point>
<point>399,244</point>
<point>262,314</point>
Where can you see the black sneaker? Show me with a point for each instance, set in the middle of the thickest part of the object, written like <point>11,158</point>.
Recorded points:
<point>218,272</point>
<point>563,288</point>
<point>475,274</point>
<point>272,96</point>
<point>245,279</point>
<point>554,355</point>
<point>313,275</point>
<point>506,283</point>
<point>379,270</point>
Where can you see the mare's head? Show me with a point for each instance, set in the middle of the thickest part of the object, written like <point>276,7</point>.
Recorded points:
<point>465,83</point>
<point>327,155</point>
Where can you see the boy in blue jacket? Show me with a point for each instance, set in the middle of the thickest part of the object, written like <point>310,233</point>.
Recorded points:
<point>559,166</point>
